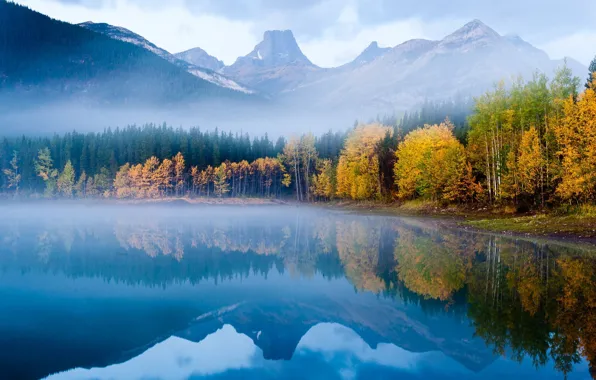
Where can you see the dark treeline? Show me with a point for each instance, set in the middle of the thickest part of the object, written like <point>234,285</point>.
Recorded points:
<point>109,150</point>
<point>104,153</point>
<point>433,112</point>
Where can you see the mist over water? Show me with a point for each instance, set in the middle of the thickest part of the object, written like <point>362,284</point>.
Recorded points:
<point>106,290</point>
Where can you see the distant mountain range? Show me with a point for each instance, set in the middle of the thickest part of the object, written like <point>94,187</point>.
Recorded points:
<point>43,58</point>
<point>467,62</point>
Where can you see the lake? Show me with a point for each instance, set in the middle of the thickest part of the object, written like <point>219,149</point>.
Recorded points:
<point>103,291</point>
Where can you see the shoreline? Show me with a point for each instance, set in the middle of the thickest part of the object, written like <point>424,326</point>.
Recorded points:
<point>563,228</point>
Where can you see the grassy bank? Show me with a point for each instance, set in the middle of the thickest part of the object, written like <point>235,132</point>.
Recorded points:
<point>572,224</point>
<point>580,224</point>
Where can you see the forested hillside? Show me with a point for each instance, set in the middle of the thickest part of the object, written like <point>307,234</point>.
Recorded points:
<point>45,59</point>
<point>532,145</point>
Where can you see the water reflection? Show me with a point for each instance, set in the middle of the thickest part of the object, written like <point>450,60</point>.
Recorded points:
<point>137,292</point>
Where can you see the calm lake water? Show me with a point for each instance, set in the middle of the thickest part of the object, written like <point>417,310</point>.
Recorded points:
<point>173,292</point>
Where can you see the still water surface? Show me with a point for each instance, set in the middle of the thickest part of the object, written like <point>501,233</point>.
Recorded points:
<point>157,292</point>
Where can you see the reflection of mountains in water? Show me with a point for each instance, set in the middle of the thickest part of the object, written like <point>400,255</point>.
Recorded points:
<point>270,340</point>
<point>89,331</point>
<point>328,349</point>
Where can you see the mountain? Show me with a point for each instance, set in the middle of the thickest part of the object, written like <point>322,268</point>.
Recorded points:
<point>275,64</point>
<point>372,52</point>
<point>202,72</point>
<point>45,60</point>
<point>200,58</point>
<point>468,61</point>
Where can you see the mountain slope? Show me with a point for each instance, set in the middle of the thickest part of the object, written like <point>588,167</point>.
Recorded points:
<point>372,52</point>
<point>125,35</point>
<point>43,59</point>
<point>200,58</point>
<point>275,64</point>
<point>468,61</point>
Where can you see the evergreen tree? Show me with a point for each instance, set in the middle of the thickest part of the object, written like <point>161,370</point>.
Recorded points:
<point>591,72</point>
<point>45,170</point>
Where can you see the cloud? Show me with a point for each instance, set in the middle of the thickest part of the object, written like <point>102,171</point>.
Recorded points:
<point>580,45</point>
<point>172,27</point>
<point>333,31</point>
<point>312,17</point>
<point>546,17</point>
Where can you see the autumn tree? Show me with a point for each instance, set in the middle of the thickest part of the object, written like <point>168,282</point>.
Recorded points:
<point>576,137</point>
<point>151,187</point>
<point>91,190</point>
<point>13,176</point>
<point>164,177</point>
<point>102,183</point>
<point>66,180</point>
<point>194,175</point>
<point>221,186</point>
<point>502,118</point>
<point>135,178</point>
<point>431,163</point>
<point>179,167</point>
<point>358,175</point>
<point>323,183</point>
<point>122,183</point>
<point>529,162</point>
<point>81,186</point>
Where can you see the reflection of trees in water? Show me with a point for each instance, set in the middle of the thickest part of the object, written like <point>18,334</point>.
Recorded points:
<point>535,300</point>
<point>432,263</point>
<point>523,298</point>
<point>358,247</point>
<point>141,251</point>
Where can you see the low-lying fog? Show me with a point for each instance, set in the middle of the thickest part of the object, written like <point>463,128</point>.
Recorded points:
<point>255,119</point>
<point>84,212</point>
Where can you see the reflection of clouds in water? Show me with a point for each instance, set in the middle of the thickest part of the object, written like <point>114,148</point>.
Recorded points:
<point>177,358</point>
<point>340,348</point>
<point>343,346</point>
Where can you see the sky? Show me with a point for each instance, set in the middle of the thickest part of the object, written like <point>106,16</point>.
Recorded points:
<point>333,32</point>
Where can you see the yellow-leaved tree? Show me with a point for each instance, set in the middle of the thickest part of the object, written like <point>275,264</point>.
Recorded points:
<point>576,137</point>
<point>323,185</point>
<point>358,168</point>
<point>431,163</point>
<point>529,162</point>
